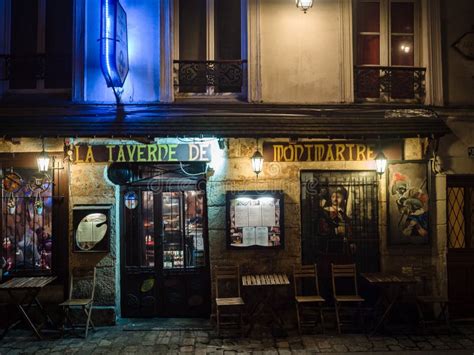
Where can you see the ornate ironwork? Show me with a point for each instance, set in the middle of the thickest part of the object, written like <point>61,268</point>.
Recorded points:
<point>209,77</point>
<point>27,67</point>
<point>389,84</point>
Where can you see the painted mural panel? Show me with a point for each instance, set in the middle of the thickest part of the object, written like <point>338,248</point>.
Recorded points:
<point>408,200</point>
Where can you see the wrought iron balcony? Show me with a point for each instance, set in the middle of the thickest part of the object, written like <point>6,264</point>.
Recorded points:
<point>26,67</point>
<point>390,84</point>
<point>23,71</point>
<point>209,77</point>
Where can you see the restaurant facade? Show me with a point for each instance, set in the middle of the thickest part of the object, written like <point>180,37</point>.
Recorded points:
<point>208,142</point>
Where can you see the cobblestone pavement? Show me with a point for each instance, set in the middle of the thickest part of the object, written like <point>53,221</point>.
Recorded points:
<point>114,340</point>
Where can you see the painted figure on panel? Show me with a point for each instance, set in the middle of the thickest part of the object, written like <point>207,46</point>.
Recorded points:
<point>335,223</point>
<point>408,209</point>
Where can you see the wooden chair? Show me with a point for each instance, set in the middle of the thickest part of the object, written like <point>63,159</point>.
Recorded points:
<point>231,276</point>
<point>86,304</point>
<point>425,298</point>
<point>309,274</point>
<point>346,272</point>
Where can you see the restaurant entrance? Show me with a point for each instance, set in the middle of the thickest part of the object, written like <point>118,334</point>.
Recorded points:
<point>164,264</point>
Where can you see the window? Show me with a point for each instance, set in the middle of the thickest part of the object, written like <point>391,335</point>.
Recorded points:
<point>27,202</point>
<point>387,50</point>
<point>386,32</point>
<point>460,216</point>
<point>209,48</point>
<point>41,45</point>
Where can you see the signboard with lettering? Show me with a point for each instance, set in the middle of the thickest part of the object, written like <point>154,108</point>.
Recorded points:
<point>114,43</point>
<point>465,45</point>
<point>328,151</point>
<point>142,153</point>
<point>470,152</point>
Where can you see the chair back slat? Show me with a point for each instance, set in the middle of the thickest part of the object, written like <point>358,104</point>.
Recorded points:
<point>82,274</point>
<point>227,272</point>
<point>346,271</point>
<point>308,272</point>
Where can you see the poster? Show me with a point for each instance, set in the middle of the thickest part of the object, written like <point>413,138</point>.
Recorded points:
<point>254,219</point>
<point>241,216</point>
<point>408,203</point>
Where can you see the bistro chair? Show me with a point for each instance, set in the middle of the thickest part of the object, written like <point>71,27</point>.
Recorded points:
<point>306,276</point>
<point>227,280</point>
<point>76,276</point>
<point>426,301</point>
<point>348,274</point>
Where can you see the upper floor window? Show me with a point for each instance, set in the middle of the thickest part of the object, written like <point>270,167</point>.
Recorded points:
<point>40,51</point>
<point>387,50</point>
<point>209,48</point>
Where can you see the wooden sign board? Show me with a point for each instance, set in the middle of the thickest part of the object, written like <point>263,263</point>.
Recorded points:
<point>328,151</point>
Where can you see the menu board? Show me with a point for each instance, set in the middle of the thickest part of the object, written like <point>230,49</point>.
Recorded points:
<point>255,219</point>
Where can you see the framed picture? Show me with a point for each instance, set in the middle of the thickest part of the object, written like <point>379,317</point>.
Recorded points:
<point>255,220</point>
<point>408,203</point>
<point>91,228</point>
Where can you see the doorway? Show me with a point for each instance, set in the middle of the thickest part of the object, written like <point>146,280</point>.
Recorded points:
<point>460,256</point>
<point>164,264</point>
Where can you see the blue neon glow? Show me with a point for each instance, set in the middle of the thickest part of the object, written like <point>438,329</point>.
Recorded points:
<point>114,43</point>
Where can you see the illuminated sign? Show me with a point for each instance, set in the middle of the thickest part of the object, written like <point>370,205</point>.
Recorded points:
<point>142,153</point>
<point>113,43</point>
<point>327,151</point>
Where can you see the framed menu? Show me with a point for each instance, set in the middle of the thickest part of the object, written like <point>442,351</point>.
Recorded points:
<point>254,219</point>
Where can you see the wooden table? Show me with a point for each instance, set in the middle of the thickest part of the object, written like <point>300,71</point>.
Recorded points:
<point>23,292</point>
<point>267,284</point>
<point>391,285</point>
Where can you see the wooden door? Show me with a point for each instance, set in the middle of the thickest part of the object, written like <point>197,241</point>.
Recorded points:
<point>165,269</point>
<point>460,257</point>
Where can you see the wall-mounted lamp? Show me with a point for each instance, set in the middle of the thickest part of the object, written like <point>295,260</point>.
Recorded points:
<point>304,4</point>
<point>380,163</point>
<point>257,161</point>
<point>43,161</point>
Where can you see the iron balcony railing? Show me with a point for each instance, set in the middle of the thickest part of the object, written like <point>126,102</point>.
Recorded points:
<point>33,66</point>
<point>390,84</point>
<point>210,77</point>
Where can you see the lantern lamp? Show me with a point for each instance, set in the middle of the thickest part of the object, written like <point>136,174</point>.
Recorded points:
<point>43,161</point>
<point>304,4</point>
<point>380,163</point>
<point>257,162</point>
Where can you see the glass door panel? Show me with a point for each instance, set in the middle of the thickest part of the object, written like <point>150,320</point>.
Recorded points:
<point>173,251</point>
<point>148,229</point>
<point>195,251</point>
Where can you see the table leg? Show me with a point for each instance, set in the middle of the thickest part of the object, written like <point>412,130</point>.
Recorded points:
<point>31,294</point>
<point>387,311</point>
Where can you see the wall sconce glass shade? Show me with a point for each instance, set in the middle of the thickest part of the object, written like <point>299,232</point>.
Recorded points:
<point>380,163</point>
<point>304,4</point>
<point>257,162</point>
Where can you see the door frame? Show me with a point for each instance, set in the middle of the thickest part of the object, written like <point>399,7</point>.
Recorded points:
<point>158,270</point>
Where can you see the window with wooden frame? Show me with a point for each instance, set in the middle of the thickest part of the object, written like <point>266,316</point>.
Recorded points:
<point>33,219</point>
<point>387,49</point>
<point>39,55</point>
<point>210,47</point>
<point>460,212</point>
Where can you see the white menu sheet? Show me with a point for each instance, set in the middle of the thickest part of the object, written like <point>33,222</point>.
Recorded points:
<point>248,236</point>
<point>261,236</point>
<point>241,216</point>
<point>255,216</point>
<point>268,214</point>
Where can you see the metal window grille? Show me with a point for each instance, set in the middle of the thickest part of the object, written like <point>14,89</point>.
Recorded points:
<point>460,216</point>
<point>342,228</point>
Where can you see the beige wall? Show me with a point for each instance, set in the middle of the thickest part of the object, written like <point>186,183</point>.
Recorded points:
<point>301,59</point>
<point>457,19</point>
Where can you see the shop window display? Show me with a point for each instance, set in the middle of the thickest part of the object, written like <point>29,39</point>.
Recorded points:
<point>26,221</point>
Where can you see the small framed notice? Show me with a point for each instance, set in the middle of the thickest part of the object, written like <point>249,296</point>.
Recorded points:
<point>254,219</point>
